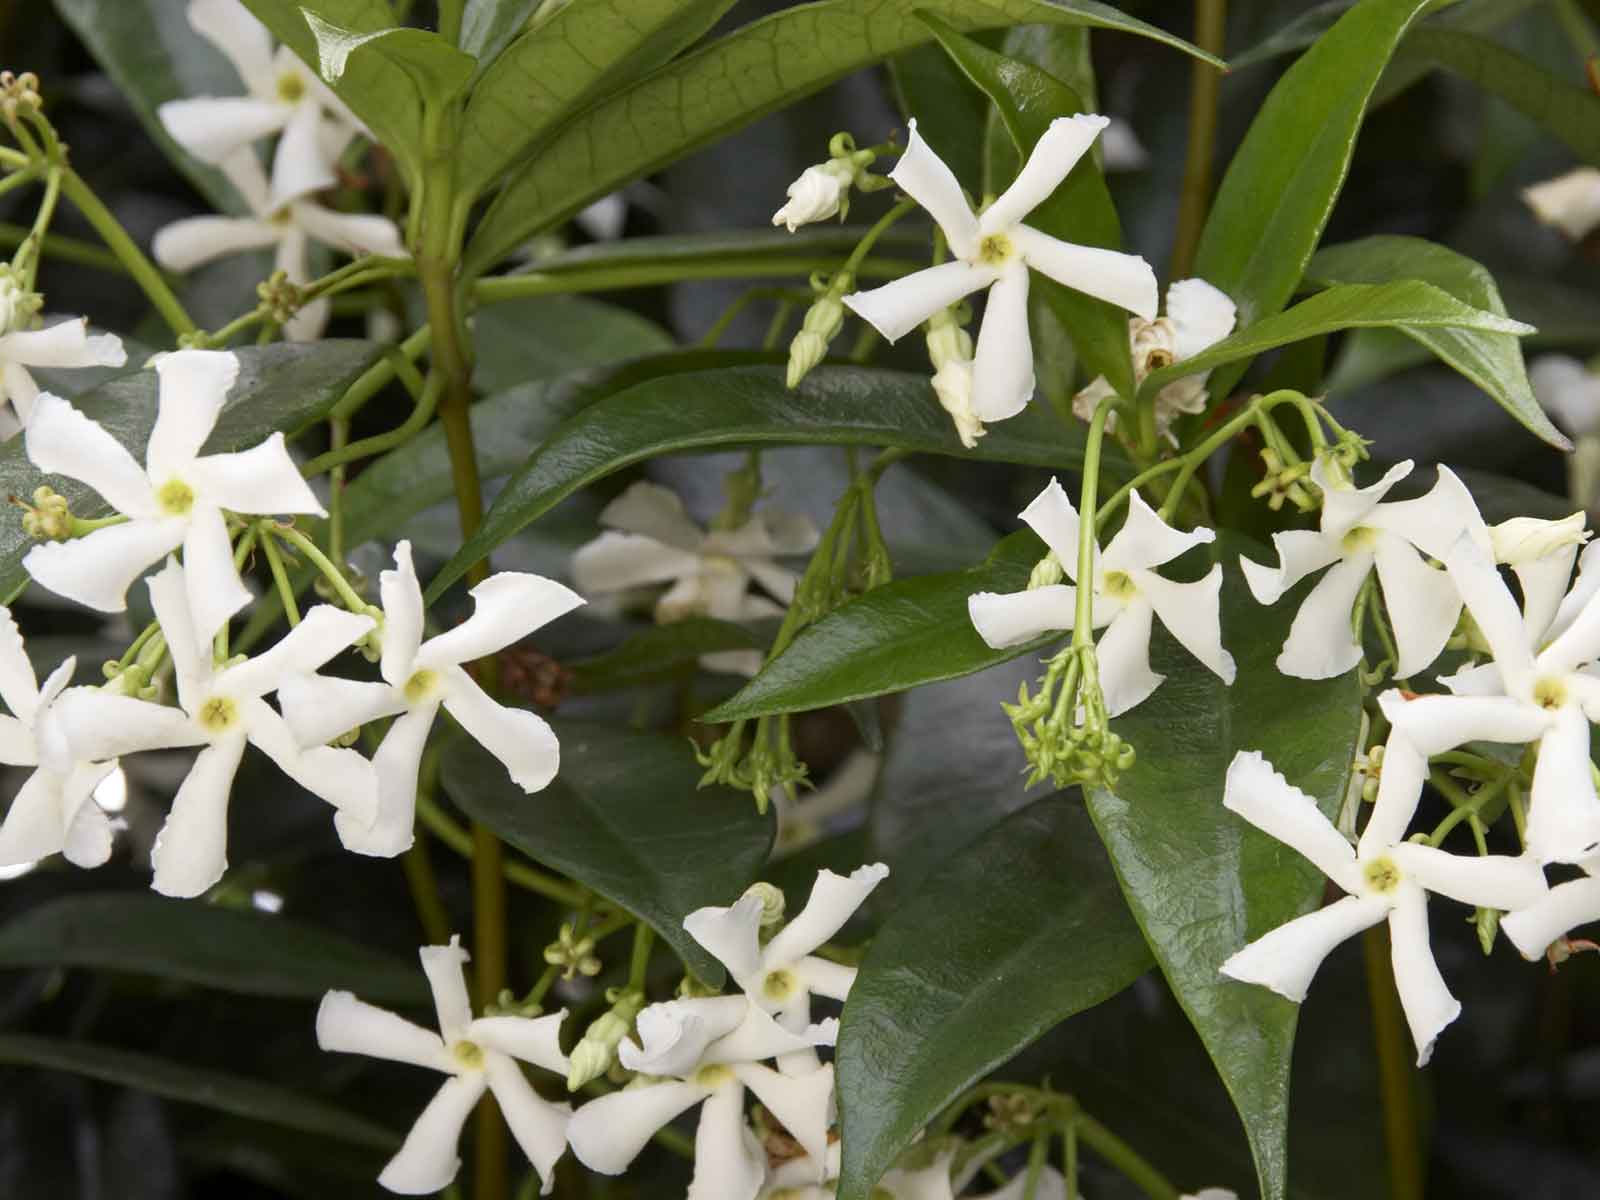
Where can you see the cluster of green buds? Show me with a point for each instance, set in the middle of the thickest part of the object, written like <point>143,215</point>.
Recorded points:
<point>1284,481</point>
<point>19,93</point>
<point>506,1004</point>
<point>47,518</point>
<point>280,297</point>
<point>573,953</point>
<point>1063,727</point>
<point>768,765</point>
<point>596,1053</point>
<point>1008,1111</point>
<point>821,325</point>
<point>19,303</point>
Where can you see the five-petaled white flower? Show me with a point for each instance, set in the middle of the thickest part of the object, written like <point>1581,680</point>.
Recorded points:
<point>995,251</point>
<point>1357,532</point>
<point>1198,316</point>
<point>220,709</point>
<point>284,97</point>
<point>1127,595</point>
<point>418,677</point>
<point>1570,202</point>
<point>287,225</point>
<point>477,1054</point>
<point>1562,909</point>
<point>652,541</point>
<point>177,498</point>
<point>1385,876</point>
<point>54,811</point>
<point>64,344</point>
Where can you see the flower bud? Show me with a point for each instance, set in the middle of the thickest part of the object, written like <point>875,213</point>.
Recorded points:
<point>1527,539</point>
<point>772,903</point>
<point>821,191</point>
<point>47,518</point>
<point>822,323</point>
<point>592,1057</point>
<point>1046,572</point>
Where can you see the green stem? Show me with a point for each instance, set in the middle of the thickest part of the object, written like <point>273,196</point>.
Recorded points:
<point>424,887</point>
<point>450,21</point>
<point>378,376</point>
<point>29,253</point>
<point>881,226</point>
<point>1082,622</point>
<point>133,260</point>
<point>1124,1158</point>
<point>610,277</point>
<point>338,438</point>
<point>455,837</point>
<point>1394,1070</point>
<point>322,562</point>
<point>1210,29</point>
<point>1193,458</point>
<point>280,579</point>
<point>644,940</point>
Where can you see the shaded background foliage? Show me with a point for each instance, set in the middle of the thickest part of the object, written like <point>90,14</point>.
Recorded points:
<point>1514,1091</point>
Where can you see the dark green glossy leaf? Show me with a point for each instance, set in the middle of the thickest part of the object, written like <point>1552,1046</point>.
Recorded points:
<point>1274,201</point>
<point>1501,498</point>
<point>283,387</point>
<point>437,70</point>
<point>228,949</point>
<point>487,26</point>
<point>1202,882</point>
<point>711,92</point>
<point>749,406</point>
<point>898,636</point>
<point>1017,932</point>
<point>1493,361</point>
<point>200,1086</point>
<point>656,651</point>
<point>951,115</point>
<point>625,817</point>
<point>544,336</point>
<point>1080,210</point>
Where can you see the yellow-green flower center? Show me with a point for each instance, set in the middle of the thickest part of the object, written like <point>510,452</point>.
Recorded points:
<point>218,714</point>
<point>1358,539</point>
<point>468,1054</point>
<point>1381,874</point>
<point>712,1077</point>
<point>1550,693</point>
<point>996,249</point>
<point>421,685</point>
<point>175,497</point>
<point>291,88</point>
<point>779,985</point>
<point>1119,585</point>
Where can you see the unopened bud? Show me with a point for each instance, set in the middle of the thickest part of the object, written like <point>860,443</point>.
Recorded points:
<point>1487,921</point>
<point>594,1054</point>
<point>772,903</point>
<point>1046,572</point>
<point>279,296</point>
<point>822,323</point>
<point>47,518</point>
<point>1528,539</point>
<point>821,191</point>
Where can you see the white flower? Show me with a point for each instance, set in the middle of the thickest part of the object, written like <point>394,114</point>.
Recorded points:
<point>476,1053</point>
<point>1127,595</point>
<point>1570,202</point>
<point>1121,148</point>
<point>1051,1185</point>
<point>287,225</point>
<point>1566,906</point>
<point>220,709</point>
<point>1356,533</point>
<point>930,1182</point>
<point>995,251</point>
<point>652,540</point>
<point>284,97</point>
<point>1386,878</point>
<point>1568,391</point>
<point>950,352</point>
<point>1198,316</point>
<point>815,196</point>
<point>781,976</point>
<point>1526,694</point>
<point>709,1051</point>
<point>418,677</point>
<point>54,812</point>
<point>177,498</point>
<point>65,344</point>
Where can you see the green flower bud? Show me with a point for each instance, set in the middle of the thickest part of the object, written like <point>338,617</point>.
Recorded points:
<point>772,903</point>
<point>593,1056</point>
<point>822,323</point>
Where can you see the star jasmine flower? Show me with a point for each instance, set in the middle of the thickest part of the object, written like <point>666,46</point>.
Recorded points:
<point>54,812</point>
<point>287,225</point>
<point>1565,907</point>
<point>1357,532</point>
<point>477,1053</point>
<point>1198,316</point>
<point>1385,876</point>
<point>1535,689</point>
<point>1128,594</point>
<point>220,710</point>
<point>1541,555</point>
<point>176,499</point>
<point>64,344</point>
<point>651,540</point>
<point>284,97</point>
<point>1568,391</point>
<point>1570,202</point>
<point>417,677</point>
<point>995,252</point>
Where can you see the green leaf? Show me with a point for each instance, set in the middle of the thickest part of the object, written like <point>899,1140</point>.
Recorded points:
<point>1014,934</point>
<point>1061,51</point>
<point>627,818</point>
<point>1274,201</point>
<point>487,26</point>
<point>1202,882</point>
<point>228,949</point>
<point>545,336</point>
<point>1080,210</point>
<point>280,388</point>
<point>722,87</point>
<point>951,114</point>
<point>1493,361</point>
<point>1406,304</point>
<point>659,650</point>
<point>748,406</point>
<point>437,69</point>
<point>205,1088</point>
<point>580,55</point>
<point>898,636</point>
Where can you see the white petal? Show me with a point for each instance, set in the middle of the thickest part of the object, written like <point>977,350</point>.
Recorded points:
<point>898,307</point>
<point>607,1133</point>
<point>101,725</point>
<point>1002,369</point>
<point>230,27</point>
<point>322,633</point>
<point>535,1040</point>
<point>428,1160</point>
<point>1570,202</point>
<point>1434,521</point>
<point>506,608</point>
<point>213,127</point>
<point>396,764</point>
<point>1320,644</point>
<point>1125,280</point>
<point>521,740</point>
<point>1565,907</point>
<point>923,175</point>
<point>1051,1185</point>
<point>1427,1002</point>
<point>673,1036</point>
<point>1145,541</point>
<point>1481,680</point>
<point>730,935</point>
<point>193,241</point>
<point>1494,610</point>
<point>1488,881</point>
<point>1434,724</point>
<point>728,1165</point>
<point>1345,507</point>
<point>1050,514</point>
<point>1300,552</point>
<point>834,900</point>
<point>804,1104</point>
<point>98,569</point>
<point>758,1037</point>
<point>298,164</point>
<point>17,386</point>
<point>18,747</point>
<point>19,687</point>
<point>35,825</point>
<point>60,440</point>
<point>402,617</point>
<point>261,480</point>
<point>1268,801</point>
<point>351,1026</point>
<point>1201,315</point>
<point>1567,390</point>
<point>194,386</point>
<point>1286,958</point>
<point>615,562</point>
<point>308,324</point>
<point>1544,585</point>
<point>1400,782</point>
<point>215,590</point>
<point>539,1125</point>
<point>1192,613</point>
<point>341,777</point>
<point>90,831</point>
<point>243,170</point>
<point>824,978</point>
<point>1422,603</point>
<point>1576,646</point>
<point>191,851</point>
<point>354,233</point>
<point>656,512</point>
<point>1053,156</point>
<point>1124,653</point>
<point>1584,589</point>
<point>1011,619</point>
<point>319,708</point>
<point>780,581</point>
<point>64,344</point>
<point>446,967</point>
<point>1563,810</point>
<point>191,660</point>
